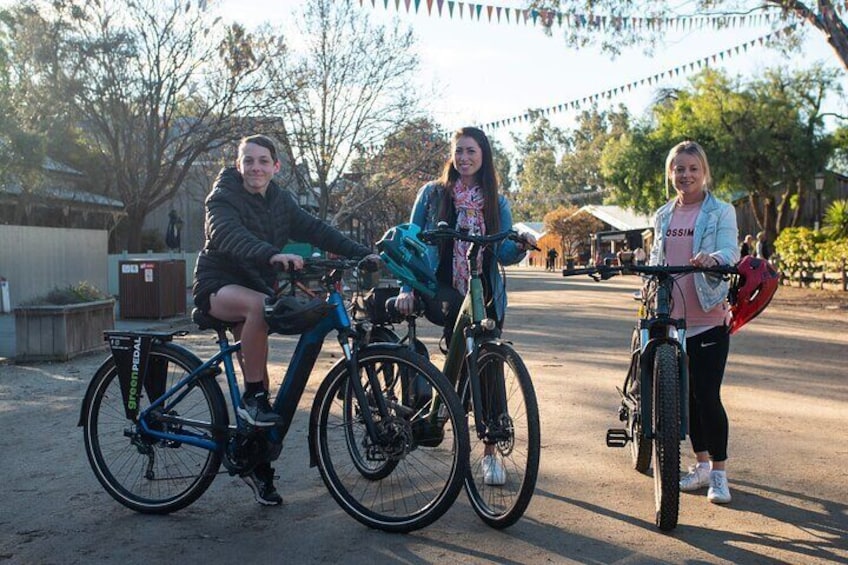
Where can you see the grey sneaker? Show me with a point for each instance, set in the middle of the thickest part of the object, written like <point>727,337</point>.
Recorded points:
<point>261,482</point>
<point>256,410</point>
<point>697,478</point>
<point>719,491</point>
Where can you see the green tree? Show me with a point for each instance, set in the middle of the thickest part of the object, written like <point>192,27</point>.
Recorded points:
<point>35,117</point>
<point>558,166</point>
<point>153,87</point>
<point>580,166</point>
<point>836,220</point>
<point>612,31</point>
<point>764,139</point>
<point>541,186</point>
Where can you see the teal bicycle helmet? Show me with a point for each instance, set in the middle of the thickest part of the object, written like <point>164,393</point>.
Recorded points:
<point>405,255</point>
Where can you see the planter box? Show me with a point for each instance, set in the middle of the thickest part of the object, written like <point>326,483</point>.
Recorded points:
<point>58,333</point>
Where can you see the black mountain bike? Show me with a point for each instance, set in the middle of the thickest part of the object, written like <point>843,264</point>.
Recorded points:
<point>655,394</point>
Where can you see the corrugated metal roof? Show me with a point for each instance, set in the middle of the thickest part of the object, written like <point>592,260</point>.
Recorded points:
<point>535,228</point>
<point>619,218</point>
<point>66,195</point>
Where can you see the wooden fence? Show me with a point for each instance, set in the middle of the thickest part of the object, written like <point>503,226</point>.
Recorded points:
<point>815,276</point>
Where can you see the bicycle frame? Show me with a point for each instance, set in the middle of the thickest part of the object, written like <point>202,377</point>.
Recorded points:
<point>655,330</point>
<point>657,327</point>
<point>470,328</point>
<point>291,390</point>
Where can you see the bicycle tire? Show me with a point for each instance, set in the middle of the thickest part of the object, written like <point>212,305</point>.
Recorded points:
<point>666,436</point>
<point>640,446</point>
<point>424,480</point>
<point>502,506</point>
<point>148,475</point>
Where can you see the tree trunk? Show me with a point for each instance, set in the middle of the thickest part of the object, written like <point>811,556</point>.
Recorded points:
<point>827,21</point>
<point>135,222</point>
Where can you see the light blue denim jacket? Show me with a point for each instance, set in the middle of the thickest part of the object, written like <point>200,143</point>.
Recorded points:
<point>715,233</point>
<point>425,215</point>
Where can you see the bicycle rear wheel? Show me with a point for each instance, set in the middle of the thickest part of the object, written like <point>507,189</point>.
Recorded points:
<point>640,446</point>
<point>512,419</point>
<point>412,474</point>
<point>666,436</point>
<point>143,473</point>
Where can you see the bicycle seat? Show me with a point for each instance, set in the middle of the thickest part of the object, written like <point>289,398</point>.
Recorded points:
<point>206,322</point>
<point>396,317</point>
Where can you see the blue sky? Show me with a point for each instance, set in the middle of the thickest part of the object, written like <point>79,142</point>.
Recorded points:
<point>497,71</point>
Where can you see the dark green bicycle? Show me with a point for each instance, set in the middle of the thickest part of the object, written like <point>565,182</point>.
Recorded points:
<point>491,379</point>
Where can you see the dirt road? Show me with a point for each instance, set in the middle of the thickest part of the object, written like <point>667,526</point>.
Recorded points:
<point>786,393</point>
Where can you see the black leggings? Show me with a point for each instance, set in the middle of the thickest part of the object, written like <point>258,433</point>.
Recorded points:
<point>707,418</point>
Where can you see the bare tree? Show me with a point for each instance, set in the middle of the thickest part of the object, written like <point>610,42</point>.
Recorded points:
<point>346,91</point>
<point>610,23</point>
<point>155,85</point>
<point>390,175</point>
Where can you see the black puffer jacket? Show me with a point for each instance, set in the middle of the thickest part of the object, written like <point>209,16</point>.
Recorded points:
<point>244,230</point>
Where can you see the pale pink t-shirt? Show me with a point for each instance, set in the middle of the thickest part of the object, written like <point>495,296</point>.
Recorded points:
<point>678,251</point>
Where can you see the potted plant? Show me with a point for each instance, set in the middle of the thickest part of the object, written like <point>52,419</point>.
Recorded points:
<point>64,323</point>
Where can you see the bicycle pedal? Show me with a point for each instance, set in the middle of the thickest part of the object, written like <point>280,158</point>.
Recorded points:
<point>617,437</point>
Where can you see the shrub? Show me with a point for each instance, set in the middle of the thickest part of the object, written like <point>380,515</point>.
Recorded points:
<point>836,220</point>
<point>797,247</point>
<point>71,294</point>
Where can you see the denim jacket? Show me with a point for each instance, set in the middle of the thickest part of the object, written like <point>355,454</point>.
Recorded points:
<point>715,233</point>
<point>425,214</point>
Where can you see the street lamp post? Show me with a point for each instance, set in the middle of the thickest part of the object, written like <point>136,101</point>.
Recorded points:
<point>819,188</point>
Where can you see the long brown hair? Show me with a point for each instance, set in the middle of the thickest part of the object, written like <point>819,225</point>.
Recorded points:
<point>487,178</point>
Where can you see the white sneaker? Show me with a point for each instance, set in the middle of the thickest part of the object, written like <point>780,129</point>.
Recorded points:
<point>494,473</point>
<point>719,491</point>
<point>697,478</point>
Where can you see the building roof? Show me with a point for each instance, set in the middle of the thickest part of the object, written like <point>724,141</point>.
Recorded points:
<point>67,195</point>
<point>619,218</point>
<point>535,228</point>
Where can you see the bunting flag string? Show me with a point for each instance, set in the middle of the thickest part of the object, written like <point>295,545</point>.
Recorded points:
<point>489,13</point>
<point>692,66</point>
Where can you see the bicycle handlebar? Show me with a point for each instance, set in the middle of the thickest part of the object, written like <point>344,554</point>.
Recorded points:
<point>604,272</point>
<point>431,236</point>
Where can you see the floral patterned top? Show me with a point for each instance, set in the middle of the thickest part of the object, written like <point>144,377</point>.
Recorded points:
<point>468,202</point>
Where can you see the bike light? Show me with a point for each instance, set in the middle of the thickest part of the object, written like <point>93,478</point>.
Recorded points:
<point>488,324</point>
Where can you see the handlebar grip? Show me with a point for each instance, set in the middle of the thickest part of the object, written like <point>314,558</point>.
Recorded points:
<point>583,271</point>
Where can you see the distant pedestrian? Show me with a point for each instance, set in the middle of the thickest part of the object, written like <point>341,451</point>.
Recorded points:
<point>174,230</point>
<point>550,265</point>
<point>748,246</point>
<point>763,246</point>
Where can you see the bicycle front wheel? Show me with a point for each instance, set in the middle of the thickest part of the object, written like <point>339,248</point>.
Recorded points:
<point>411,472</point>
<point>511,418</point>
<point>141,472</point>
<point>666,436</point>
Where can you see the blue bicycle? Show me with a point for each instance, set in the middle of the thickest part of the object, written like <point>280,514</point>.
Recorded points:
<point>157,425</point>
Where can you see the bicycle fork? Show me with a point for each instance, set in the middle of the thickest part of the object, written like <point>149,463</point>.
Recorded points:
<point>618,437</point>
